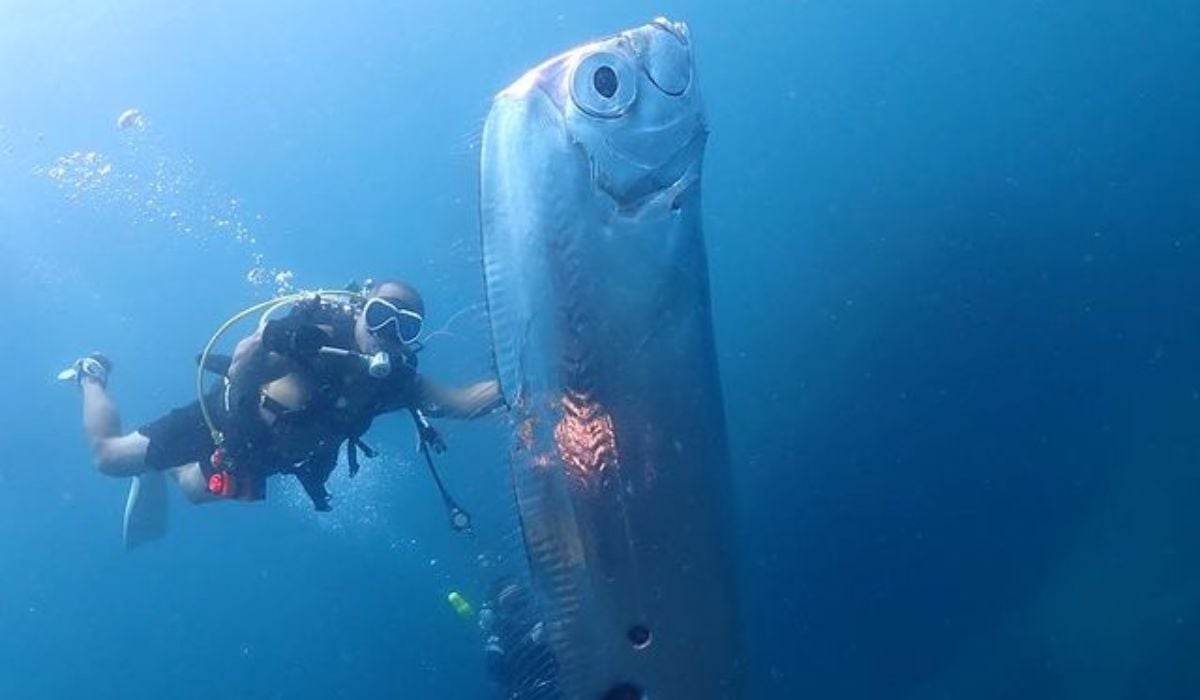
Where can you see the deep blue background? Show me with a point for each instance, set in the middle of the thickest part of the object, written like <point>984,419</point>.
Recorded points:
<point>956,274</point>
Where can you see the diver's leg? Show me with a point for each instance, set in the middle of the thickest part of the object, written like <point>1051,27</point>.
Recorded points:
<point>115,454</point>
<point>192,484</point>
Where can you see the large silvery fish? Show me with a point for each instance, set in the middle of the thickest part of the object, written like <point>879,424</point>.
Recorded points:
<point>598,298</point>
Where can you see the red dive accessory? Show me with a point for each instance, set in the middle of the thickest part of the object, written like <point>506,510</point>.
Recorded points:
<point>221,483</point>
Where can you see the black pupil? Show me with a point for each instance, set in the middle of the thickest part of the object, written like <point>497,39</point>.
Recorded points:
<point>605,80</point>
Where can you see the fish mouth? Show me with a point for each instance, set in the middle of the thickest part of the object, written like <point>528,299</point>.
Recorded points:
<point>660,187</point>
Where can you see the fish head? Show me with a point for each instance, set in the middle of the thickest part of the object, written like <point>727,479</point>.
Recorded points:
<point>631,104</point>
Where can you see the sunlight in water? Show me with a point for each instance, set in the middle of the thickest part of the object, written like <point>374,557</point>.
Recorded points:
<point>154,185</point>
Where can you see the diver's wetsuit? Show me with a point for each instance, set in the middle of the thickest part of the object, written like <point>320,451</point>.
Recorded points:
<point>182,436</point>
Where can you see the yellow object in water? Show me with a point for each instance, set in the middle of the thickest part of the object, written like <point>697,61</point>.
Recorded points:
<point>460,604</point>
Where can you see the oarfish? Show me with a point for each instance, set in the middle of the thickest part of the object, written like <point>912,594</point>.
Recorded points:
<point>598,299</point>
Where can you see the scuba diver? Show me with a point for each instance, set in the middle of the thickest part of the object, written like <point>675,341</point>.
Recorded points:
<point>520,663</point>
<point>291,394</point>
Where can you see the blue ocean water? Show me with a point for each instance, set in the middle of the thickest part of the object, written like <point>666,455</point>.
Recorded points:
<point>955,251</point>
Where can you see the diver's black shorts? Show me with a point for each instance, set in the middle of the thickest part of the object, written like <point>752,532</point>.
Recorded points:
<point>179,438</point>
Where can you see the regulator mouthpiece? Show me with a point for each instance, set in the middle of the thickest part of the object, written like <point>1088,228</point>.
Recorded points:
<point>379,365</point>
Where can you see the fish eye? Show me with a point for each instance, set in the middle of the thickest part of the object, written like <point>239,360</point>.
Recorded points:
<point>668,57</point>
<point>604,84</point>
<point>605,81</point>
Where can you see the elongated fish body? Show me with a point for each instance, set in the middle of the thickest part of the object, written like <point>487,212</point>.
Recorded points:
<point>598,298</point>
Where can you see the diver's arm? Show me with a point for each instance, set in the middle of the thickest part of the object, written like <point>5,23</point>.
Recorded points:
<point>253,366</point>
<point>264,356</point>
<point>468,402</point>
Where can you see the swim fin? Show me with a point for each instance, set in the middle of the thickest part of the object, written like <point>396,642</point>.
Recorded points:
<point>95,366</point>
<point>145,509</point>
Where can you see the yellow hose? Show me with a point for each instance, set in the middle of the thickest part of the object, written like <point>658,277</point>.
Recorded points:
<point>224,327</point>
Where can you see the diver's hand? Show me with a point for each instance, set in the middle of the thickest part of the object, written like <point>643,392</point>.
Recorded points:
<point>307,340</point>
<point>293,340</point>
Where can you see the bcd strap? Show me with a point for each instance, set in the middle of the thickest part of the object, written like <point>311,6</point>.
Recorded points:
<point>312,475</point>
<point>353,445</point>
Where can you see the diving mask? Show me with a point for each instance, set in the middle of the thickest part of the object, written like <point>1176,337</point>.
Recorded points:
<point>383,316</point>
